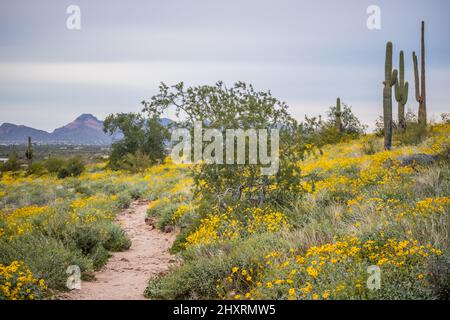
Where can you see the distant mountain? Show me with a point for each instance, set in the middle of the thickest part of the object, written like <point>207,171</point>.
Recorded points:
<point>12,132</point>
<point>84,130</point>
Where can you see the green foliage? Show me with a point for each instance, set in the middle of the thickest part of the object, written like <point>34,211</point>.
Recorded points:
<point>13,163</point>
<point>47,258</point>
<point>37,168</point>
<point>124,199</point>
<point>414,134</point>
<point>71,168</point>
<point>371,145</point>
<point>440,278</point>
<point>142,144</point>
<point>239,107</point>
<point>54,164</point>
<point>91,240</point>
<point>137,162</point>
<point>164,213</point>
<point>196,278</point>
<point>349,123</point>
<point>320,132</point>
<point>116,239</point>
<point>137,192</point>
<point>445,117</point>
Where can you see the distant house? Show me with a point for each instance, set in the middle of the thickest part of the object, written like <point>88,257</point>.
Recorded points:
<point>3,160</point>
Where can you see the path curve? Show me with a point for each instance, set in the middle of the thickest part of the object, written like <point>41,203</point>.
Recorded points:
<point>126,274</point>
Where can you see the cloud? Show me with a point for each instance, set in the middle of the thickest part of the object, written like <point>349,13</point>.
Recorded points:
<point>307,53</point>
<point>112,87</point>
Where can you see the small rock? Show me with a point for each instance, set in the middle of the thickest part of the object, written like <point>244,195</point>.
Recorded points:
<point>168,229</point>
<point>150,222</point>
<point>417,159</point>
<point>125,259</point>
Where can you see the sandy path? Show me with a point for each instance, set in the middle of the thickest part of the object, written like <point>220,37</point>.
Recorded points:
<point>126,274</point>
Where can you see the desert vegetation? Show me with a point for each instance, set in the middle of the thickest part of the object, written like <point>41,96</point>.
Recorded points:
<point>356,206</point>
<point>48,223</point>
<point>341,201</point>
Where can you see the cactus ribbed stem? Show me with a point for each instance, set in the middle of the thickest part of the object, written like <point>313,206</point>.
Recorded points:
<point>338,115</point>
<point>29,153</point>
<point>389,81</point>
<point>401,93</point>
<point>420,85</point>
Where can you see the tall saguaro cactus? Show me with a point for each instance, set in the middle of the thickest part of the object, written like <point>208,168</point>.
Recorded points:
<point>338,115</point>
<point>29,153</point>
<point>390,79</point>
<point>401,93</point>
<point>420,86</point>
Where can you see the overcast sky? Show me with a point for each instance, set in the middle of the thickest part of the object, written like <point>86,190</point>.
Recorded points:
<point>306,52</point>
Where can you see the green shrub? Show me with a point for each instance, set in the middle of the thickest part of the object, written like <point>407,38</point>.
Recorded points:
<point>439,278</point>
<point>137,192</point>
<point>47,258</point>
<point>413,135</point>
<point>111,189</point>
<point>88,238</point>
<point>53,164</point>
<point>166,215</point>
<point>371,145</point>
<point>203,266</point>
<point>99,256</point>
<point>116,240</point>
<point>13,163</point>
<point>37,168</point>
<point>72,168</point>
<point>124,200</point>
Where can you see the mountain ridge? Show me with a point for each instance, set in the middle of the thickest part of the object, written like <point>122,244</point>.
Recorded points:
<point>86,129</point>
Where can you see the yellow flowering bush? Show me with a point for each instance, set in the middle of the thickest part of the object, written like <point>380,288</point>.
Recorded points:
<point>331,271</point>
<point>20,221</point>
<point>51,223</point>
<point>398,210</point>
<point>18,283</point>
<point>234,223</point>
<point>329,171</point>
<point>92,209</point>
<point>346,171</point>
<point>356,209</point>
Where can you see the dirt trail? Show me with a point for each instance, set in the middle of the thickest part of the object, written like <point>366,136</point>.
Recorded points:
<point>126,274</point>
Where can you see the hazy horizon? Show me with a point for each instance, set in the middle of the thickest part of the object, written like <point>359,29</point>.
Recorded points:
<point>307,53</point>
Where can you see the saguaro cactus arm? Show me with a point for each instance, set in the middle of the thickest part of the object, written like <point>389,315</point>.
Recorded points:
<point>401,93</point>
<point>338,115</point>
<point>401,87</point>
<point>420,83</point>
<point>416,78</point>
<point>393,78</point>
<point>390,77</point>
<point>423,61</point>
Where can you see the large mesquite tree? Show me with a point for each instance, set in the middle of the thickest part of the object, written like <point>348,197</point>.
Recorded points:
<point>239,107</point>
